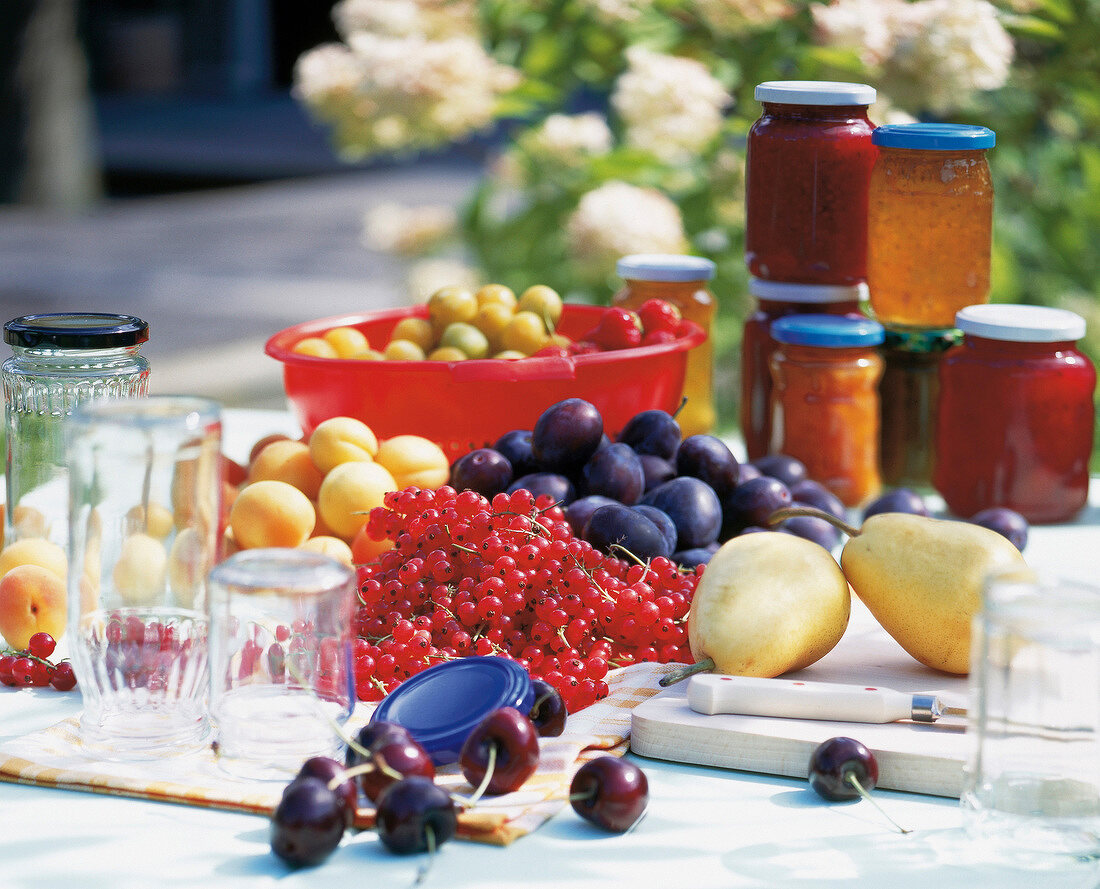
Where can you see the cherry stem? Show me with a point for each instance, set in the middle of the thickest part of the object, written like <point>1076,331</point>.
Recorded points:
<point>790,512</point>
<point>703,666</point>
<point>854,781</point>
<point>471,801</point>
<point>429,839</point>
<point>364,768</point>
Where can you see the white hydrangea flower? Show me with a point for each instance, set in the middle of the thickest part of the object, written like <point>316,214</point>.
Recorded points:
<point>671,106</point>
<point>326,72</point>
<point>617,11</point>
<point>395,228</point>
<point>406,18</point>
<point>617,219</point>
<point>567,139</point>
<point>730,17</point>
<point>866,26</point>
<point>428,275</point>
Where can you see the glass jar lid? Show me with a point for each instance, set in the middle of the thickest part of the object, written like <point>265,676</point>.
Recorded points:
<point>1021,323</point>
<point>934,136</point>
<point>665,267</point>
<point>780,291</point>
<point>814,92</point>
<point>76,330</point>
<point>830,331</point>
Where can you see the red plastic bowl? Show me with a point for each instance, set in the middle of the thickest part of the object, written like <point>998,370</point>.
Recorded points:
<point>462,405</point>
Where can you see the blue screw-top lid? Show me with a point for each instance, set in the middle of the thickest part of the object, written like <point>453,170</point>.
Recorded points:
<point>443,704</point>
<point>664,267</point>
<point>831,331</point>
<point>934,136</point>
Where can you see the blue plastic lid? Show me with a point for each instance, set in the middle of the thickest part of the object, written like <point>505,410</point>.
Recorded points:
<point>443,704</point>
<point>665,267</point>
<point>832,331</point>
<point>934,136</point>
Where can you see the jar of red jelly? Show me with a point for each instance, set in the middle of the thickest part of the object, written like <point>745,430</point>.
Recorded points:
<point>825,373</point>
<point>807,169</point>
<point>1014,427</point>
<point>777,300</point>
<point>909,393</point>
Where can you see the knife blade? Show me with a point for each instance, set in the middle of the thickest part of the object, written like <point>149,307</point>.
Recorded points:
<point>795,698</point>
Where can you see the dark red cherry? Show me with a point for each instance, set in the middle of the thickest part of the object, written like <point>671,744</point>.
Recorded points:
<point>369,735</point>
<point>395,759</point>
<point>308,823</point>
<point>328,770</point>
<point>833,765</point>
<point>548,713</point>
<point>516,743</point>
<point>414,815</point>
<point>610,792</point>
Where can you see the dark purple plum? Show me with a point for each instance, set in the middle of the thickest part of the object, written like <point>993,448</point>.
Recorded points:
<point>409,810</point>
<point>835,762</point>
<point>787,469</point>
<point>811,528</point>
<point>694,508</point>
<point>813,493</point>
<point>657,470</point>
<point>566,434</point>
<point>897,500</point>
<point>580,511</point>
<point>1006,522</point>
<point>621,526</point>
<point>692,558</point>
<point>752,503</point>
<point>709,459</point>
<point>653,432</point>
<point>516,447</point>
<point>662,521</point>
<point>616,472</point>
<point>550,483</point>
<point>747,472</point>
<point>484,470</point>
<point>308,822</point>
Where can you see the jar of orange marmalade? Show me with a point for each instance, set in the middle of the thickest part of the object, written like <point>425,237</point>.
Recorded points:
<point>825,404</point>
<point>929,222</point>
<point>680,280</point>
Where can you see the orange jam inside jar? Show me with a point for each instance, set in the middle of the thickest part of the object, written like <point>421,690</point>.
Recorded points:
<point>825,373</point>
<point>1014,426</point>
<point>777,300</point>
<point>929,222</point>
<point>682,281</point>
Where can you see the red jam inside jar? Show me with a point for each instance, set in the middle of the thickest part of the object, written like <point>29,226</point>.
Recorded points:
<point>1014,425</point>
<point>807,172</point>
<point>777,300</point>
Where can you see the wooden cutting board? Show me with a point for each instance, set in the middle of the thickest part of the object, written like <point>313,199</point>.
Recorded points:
<point>916,757</point>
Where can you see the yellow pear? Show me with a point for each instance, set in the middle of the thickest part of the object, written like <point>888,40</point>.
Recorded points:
<point>768,603</point>
<point>922,579</point>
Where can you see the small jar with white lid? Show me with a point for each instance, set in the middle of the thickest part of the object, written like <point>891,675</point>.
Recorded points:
<point>1015,418</point>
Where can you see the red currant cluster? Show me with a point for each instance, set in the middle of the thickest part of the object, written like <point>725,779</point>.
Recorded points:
<point>472,577</point>
<point>31,667</point>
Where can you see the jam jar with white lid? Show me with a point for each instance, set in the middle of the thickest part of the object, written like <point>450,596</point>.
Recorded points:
<point>1015,419</point>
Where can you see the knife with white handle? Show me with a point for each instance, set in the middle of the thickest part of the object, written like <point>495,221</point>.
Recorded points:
<point>794,698</point>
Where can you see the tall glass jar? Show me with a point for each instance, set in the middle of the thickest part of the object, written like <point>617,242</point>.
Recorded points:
<point>807,167</point>
<point>59,361</point>
<point>777,300</point>
<point>1015,422</point>
<point>681,281</point>
<point>825,404</point>
<point>909,392</point>
<point>929,222</point>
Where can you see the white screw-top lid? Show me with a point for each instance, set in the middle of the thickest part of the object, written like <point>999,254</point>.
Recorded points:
<point>814,92</point>
<point>665,267</point>
<point>781,291</point>
<point>1020,324</point>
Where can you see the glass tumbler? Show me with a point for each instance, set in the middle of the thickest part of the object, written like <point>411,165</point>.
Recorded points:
<point>280,659</point>
<point>145,482</point>
<point>1032,781</point>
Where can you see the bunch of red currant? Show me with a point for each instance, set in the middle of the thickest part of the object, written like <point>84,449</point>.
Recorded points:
<point>32,667</point>
<point>472,577</point>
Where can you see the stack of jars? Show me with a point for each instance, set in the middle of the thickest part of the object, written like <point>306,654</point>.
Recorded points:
<point>810,365</point>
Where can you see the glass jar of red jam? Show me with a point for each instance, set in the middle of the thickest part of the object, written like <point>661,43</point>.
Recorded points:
<point>682,281</point>
<point>1014,426</point>
<point>825,374</point>
<point>807,169</point>
<point>929,222</point>
<point>777,300</point>
<point>908,393</point>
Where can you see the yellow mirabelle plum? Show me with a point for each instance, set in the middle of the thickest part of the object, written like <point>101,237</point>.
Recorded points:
<point>403,350</point>
<point>315,347</point>
<point>346,341</point>
<point>525,333</point>
<point>415,330</point>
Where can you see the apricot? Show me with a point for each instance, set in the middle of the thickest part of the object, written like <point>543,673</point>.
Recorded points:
<point>27,521</point>
<point>365,548</point>
<point>262,443</point>
<point>156,520</point>
<point>347,341</point>
<point>341,440</point>
<point>34,551</point>
<point>189,560</point>
<point>349,492</point>
<point>271,513</point>
<point>33,599</point>
<point>287,461</point>
<point>330,546</point>
<point>141,570</point>
<point>414,460</point>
